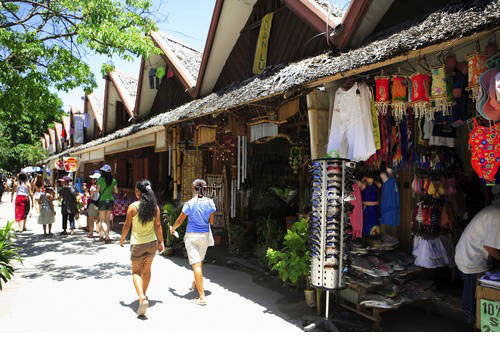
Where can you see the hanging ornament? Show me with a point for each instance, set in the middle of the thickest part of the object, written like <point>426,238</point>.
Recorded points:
<point>399,97</point>
<point>421,96</point>
<point>476,63</point>
<point>382,94</point>
<point>442,90</point>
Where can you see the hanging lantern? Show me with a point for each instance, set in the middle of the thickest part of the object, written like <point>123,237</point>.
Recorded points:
<point>382,94</point>
<point>421,95</point>
<point>442,90</point>
<point>476,63</point>
<point>399,93</point>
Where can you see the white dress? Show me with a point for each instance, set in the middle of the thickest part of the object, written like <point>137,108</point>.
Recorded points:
<point>46,213</point>
<point>351,132</point>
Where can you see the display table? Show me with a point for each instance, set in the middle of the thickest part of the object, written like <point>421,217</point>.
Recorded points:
<point>487,309</point>
<point>121,206</point>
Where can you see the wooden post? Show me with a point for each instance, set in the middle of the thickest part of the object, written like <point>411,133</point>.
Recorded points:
<point>178,158</point>
<point>174,161</point>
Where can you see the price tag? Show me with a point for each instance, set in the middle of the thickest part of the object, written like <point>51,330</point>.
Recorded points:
<point>490,315</point>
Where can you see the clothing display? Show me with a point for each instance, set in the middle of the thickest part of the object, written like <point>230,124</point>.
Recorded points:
<point>370,213</point>
<point>352,135</point>
<point>357,213</point>
<point>485,150</point>
<point>389,204</point>
<point>430,253</point>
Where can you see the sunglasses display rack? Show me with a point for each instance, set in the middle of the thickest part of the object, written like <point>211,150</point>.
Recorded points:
<point>330,226</point>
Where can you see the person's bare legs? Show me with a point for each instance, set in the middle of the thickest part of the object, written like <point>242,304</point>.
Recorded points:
<point>50,229</point>
<point>44,229</point>
<point>90,226</point>
<point>24,224</point>
<point>146,274</point>
<point>102,216</point>
<point>198,279</point>
<point>137,269</point>
<point>106,223</point>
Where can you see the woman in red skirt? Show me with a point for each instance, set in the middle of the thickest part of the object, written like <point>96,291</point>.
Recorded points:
<point>23,193</point>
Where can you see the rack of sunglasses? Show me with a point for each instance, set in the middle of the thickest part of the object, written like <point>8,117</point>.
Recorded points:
<point>330,225</point>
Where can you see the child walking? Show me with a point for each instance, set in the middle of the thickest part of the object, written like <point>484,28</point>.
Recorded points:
<point>47,212</point>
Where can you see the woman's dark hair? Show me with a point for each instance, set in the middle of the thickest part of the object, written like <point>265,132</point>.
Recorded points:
<point>148,204</point>
<point>200,186</point>
<point>39,181</point>
<point>108,177</point>
<point>23,177</point>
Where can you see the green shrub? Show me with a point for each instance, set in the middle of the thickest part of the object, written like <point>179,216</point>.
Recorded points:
<point>8,253</point>
<point>169,215</point>
<point>292,262</point>
<point>268,232</point>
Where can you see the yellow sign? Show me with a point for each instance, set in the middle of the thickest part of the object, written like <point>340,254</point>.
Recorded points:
<point>260,60</point>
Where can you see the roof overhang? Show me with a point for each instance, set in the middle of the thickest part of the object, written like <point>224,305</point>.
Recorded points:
<point>188,81</point>
<point>121,93</point>
<point>228,20</point>
<point>360,20</point>
<point>311,13</point>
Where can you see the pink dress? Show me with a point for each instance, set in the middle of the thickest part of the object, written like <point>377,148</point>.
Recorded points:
<point>357,213</point>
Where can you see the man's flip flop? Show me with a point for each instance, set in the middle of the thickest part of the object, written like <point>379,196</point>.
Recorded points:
<point>200,302</point>
<point>142,307</point>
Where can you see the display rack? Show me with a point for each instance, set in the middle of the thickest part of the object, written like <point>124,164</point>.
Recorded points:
<point>330,228</point>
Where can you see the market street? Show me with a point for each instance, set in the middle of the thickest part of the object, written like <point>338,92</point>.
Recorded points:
<point>72,283</point>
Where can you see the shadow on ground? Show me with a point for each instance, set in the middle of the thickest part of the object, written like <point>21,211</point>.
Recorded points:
<point>134,305</point>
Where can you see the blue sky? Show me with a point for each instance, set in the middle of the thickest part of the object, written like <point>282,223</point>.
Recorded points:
<point>186,20</point>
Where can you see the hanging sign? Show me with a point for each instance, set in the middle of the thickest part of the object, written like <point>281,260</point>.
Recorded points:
<point>490,315</point>
<point>59,165</point>
<point>260,60</point>
<point>78,124</point>
<point>71,164</point>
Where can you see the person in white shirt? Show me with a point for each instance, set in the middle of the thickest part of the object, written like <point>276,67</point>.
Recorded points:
<point>479,241</point>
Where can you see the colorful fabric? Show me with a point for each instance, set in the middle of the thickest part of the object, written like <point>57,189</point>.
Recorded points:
<point>485,150</point>
<point>376,127</point>
<point>357,213</point>
<point>389,205</point>
<point>370,213</point>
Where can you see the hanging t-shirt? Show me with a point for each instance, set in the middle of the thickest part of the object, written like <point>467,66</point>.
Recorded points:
<point>484,229</point>
<point>389,205</point>
<point>351,133</point>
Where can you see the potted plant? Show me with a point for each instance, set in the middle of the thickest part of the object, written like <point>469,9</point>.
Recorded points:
<point>293,262</point>
<point>8,253</point>
<point>169,215</point>
<point>287,196</point>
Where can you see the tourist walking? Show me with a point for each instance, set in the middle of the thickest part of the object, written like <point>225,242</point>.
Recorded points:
<point>92,208</point>
<point>144,218</point>
<point>23,193</point>
<point>2,187</point>
<point>106,187</point>
<point>47,213</point>
<point>68,205</point>
<point>200,212</point>
<point>36,185</point>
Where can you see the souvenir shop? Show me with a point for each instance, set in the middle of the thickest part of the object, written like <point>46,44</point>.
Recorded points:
<point>252,158</point>
<point>424,138</point>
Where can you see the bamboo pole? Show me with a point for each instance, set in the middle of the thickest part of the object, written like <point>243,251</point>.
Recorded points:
<point>174,161</point>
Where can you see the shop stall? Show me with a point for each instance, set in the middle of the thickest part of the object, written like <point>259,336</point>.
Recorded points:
<point>427,155</point>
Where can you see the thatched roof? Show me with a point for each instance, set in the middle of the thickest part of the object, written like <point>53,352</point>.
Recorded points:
<point>454,21</point>
<point>189,58</point>
<point>97,104</point>
<point>127,85</point>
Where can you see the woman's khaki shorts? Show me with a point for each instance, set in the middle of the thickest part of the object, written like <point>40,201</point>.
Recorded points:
<point>143,251</point>
<point>93,211</point>
<point>196,246</point>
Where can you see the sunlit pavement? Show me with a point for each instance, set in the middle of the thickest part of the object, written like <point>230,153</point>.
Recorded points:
<point>72,283</point>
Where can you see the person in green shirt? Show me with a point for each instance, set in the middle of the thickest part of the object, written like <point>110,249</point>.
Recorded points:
<point>106,188</point>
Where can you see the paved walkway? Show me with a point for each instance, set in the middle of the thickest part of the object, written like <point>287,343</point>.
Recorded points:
<point>71,283</point>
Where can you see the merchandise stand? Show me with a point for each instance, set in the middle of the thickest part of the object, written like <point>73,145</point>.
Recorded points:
<point>330,229</point>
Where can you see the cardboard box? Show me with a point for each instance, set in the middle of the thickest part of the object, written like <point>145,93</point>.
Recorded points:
<point>484,293</point>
